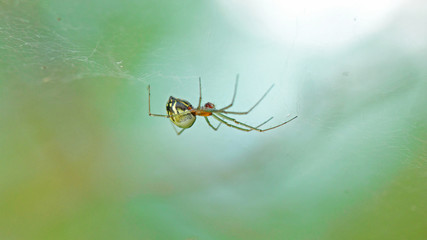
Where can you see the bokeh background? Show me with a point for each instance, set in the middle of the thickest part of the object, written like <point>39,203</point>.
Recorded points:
<point>81,159</point>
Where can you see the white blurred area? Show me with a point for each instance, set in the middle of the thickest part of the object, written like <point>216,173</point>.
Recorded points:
<point>311,23</point>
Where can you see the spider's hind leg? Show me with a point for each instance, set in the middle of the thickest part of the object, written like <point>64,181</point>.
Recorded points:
<point>174,128</point>
<point>149,106</point>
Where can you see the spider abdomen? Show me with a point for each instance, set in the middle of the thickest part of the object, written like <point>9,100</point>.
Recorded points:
<point>179,112</point>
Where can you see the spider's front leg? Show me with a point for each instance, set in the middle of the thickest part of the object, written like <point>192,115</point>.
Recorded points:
<point>233,126</point>
<point>255,128</point>
<point>230,125</point>
<point>209,123</point>
<point>234,95</point>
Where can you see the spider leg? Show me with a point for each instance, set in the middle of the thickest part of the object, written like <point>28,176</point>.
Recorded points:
<point>234,95</point>
<point>177,133</point>
<point>209,123</point>
<point>248,130</point>
<point>200,92</point>
<point>268,120</point>
<point>243,113</point>
<point>230,125</point>
<point>149,106</point>
<point>243,124</point>
<point>254,128</point>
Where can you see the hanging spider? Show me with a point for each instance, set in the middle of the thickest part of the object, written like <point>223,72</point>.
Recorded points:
<point>182,114</point>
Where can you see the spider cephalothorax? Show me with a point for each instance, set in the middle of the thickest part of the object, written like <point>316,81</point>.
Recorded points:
<point>209,105</point>
<point>182,114</point>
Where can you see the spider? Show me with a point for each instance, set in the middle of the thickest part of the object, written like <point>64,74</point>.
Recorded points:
<point>182,114</point>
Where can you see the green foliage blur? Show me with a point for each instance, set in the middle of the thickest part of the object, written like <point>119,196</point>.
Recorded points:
<point>81,159</point>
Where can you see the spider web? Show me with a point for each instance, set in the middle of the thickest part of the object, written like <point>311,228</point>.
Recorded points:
<point>48,51</point>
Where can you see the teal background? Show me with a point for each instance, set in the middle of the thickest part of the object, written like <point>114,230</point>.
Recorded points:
<point>81,159</point>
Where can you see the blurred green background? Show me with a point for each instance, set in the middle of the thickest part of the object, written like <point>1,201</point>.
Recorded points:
<point>81,159</point>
